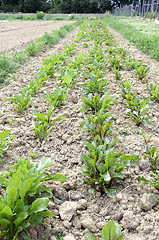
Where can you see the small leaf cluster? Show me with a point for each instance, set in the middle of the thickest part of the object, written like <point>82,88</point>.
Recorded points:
<point>45,122</point>
<point>109,232</point>
<point>25,197</point>
<point>135,107</point>
<point>141,72</point>
<point>4,140</point>
<point>152,154</point>
<point>154,91</point>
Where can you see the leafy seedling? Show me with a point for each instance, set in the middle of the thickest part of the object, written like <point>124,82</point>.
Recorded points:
<point>44,123</point>
<point>57,98</point>
<point>109,232</point>
<point>4,140</point>
<point>25,197</point>
<point>154,91</point>
<point>21,102</point>
<point>141,72</point>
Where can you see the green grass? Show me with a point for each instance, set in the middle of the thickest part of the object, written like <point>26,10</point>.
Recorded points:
<point>144,34</point>
<point>23,17</point>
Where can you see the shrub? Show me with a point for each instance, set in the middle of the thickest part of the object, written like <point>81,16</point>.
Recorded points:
<point>40,15</point>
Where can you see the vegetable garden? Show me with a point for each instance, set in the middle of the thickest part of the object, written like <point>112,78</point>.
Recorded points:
<point>87,117</point>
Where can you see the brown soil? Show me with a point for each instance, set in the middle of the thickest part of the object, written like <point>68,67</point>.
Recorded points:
<point>87,211</point>
<point>15,35</point>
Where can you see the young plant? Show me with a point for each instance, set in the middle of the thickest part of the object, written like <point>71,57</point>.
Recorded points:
<point>25,197</point>
<point>98,124</point>
<point>152,153</point>
<point>94,85</point>
<point>45,123</point>
<point>33,48</point>
<point>57,98</point>
<point>70,49</point>
<point>125,86</point>
<point>4,140</point>
<point>94,103</point>
<point>115,63</point>
<point>103,166</point>
<point>141,72</point>
<point>109,232</point>
<point>117,74</point>
<point>154,182</point>
<point>21,102</point>
<point>138,111</point>
<point>154,91</point>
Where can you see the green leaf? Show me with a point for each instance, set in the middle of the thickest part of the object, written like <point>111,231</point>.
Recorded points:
<point>4,223</point>
<point>107,177</point>
<point>90,236</point>
<point>7,211</point>
<point>11,195</point>
<point>61,178</point>
<point>25,187</point>
<point>4,134</point>
<point>45,163</point>
<point>39,205</point>
<point>21,216</point>
<point>109,231</point>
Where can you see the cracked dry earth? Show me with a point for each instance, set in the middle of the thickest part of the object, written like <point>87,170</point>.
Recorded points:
<point>76,209</point>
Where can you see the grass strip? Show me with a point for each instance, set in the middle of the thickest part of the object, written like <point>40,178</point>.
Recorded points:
<point>143,34</point>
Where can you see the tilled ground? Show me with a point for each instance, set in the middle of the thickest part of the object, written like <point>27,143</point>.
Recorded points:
<point>79,211</point>
<point>15,35</point>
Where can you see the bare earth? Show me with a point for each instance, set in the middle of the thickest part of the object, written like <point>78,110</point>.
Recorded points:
<point>15,35</point>
<point>85,211</point>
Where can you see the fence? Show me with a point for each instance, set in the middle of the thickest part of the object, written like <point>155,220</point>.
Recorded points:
<point>149,9</point>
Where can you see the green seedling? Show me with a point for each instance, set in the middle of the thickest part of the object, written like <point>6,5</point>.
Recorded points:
<point>131,63</point>
<point>21,102</point>
<point>44,123</point>
<point>94,85</point>
<point>25,197</point>
<point>129,99</point>
<point>109,232</point>
<point>66,81</point>
<point>34,87</point>
<point>141,72</point>
<point>138,111</point>
<point>104,167</point>
<point>4,140</point>
<point>50,64</point>
<point>33,154</point>
<point>152,153</point>
<point>154,182</point>
<point>70,49</point>
<point>154,91</point>
<point>99,124</point>
<point>94,103</point>
<point>117,74</point>
<point>125,86</point>
<point>115,62</point>
<point>33,48</point>
<point>57,98</point>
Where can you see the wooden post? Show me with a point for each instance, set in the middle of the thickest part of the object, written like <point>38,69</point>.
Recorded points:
<point>152,9</point>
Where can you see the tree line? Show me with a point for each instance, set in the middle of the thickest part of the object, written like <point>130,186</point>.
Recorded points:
<point>61,6</point>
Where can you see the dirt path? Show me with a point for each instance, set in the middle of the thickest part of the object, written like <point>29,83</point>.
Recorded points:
<point>15,35</point>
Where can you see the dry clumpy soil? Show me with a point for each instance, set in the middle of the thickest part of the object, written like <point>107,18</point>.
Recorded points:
<point>79,211</point>
<point>15,35</point>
